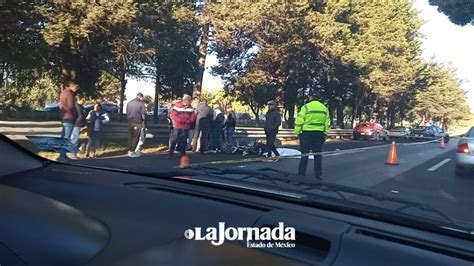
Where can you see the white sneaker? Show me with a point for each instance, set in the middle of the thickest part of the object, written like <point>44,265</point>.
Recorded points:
<point>72,156</point>
<point>132,154</point>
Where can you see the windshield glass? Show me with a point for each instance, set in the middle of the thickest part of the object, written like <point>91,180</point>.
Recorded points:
<point>309,89</point>
<point>470,134</point>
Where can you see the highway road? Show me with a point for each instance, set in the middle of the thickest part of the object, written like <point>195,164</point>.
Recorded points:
<point>425,173</point>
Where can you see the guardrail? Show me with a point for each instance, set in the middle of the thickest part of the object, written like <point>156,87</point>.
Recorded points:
<point>116,130</point>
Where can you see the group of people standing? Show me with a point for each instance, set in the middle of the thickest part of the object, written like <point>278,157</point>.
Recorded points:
<point>74,119</point>
<point>199,127</point>
<point>195,126</point>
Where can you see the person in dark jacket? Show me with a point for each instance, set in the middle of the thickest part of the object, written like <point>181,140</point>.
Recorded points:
<point>272,123</point>
<point>203,126</point>
<point>136,115</point>
<point>68,112</point>
<point>183,117</point>
<point>79,124</point>
<point>96,118</point>
<point>217,128</point>
<point>230,125</point>
<point>194,103</point>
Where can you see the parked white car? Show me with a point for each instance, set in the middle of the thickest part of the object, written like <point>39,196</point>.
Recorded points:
<point>465,153</point>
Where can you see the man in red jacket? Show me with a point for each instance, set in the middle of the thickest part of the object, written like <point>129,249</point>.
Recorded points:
<point>183,117</point>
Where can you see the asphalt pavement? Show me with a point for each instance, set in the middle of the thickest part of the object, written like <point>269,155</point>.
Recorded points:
<point>434,183</point>
<point>425,173</point>
<point>158,162</point>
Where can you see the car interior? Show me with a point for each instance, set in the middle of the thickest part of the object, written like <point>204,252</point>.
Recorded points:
<point>60,214</point>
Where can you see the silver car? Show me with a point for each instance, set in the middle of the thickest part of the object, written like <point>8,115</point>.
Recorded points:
<point>465,153</point>
<point>400,132</point>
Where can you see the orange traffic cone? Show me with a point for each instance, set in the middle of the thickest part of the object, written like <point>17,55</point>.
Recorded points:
<point>392,155</point>
<point>442,145</point>
<point>184,161</point>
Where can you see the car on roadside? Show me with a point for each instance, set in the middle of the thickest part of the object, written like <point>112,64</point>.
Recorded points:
<point>400,132</point>
<point>465,153</point>
<point>162,112</point>
<point>243,116</point>
<point>370,131</point>
<point>111,108</point>
<point>88,107</point>
<point>429,132</point>
<point>54,107</point>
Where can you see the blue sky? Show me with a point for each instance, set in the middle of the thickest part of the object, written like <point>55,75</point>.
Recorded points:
<point>443,42</point>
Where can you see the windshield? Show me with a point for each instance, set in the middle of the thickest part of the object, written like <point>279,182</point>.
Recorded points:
<point>308,89</point>
<point>470,134</point>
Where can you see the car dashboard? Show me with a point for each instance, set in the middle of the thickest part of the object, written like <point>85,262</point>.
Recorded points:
<point>57,214</point>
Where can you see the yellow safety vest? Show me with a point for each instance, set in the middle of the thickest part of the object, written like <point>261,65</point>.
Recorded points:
<point>313,116</point>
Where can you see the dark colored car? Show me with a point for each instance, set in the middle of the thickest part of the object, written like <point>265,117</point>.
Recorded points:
<point>110,108</point>
<point>162,112</point>
<point>243,116</point>
<point>431,132</point>
<point>370,131</point>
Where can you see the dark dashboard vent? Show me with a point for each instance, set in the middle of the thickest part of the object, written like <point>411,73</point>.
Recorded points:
<point>150,186</point>
<point>417,244</point>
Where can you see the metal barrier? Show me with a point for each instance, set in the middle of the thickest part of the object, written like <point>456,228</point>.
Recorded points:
<point>116,130</point>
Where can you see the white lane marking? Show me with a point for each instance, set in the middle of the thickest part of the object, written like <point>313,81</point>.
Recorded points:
<point>438,165</point>
<point>448,196</point>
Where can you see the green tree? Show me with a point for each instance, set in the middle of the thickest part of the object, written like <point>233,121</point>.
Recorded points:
<point>460,12</point>
<point>224,99</point>
<point>149,103</point>
<point>31,96</point>
<point>255,91</point>
<point>262,45</point>
<point>79,37</point>
<point>443,100</point>
<point>44,90</point>
<point>109,88</point>
<point>22,49</point>
<point>171,31</point>
<point>373,49</point>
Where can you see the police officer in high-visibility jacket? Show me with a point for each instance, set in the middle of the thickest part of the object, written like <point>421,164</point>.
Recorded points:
<point>312,125</point>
